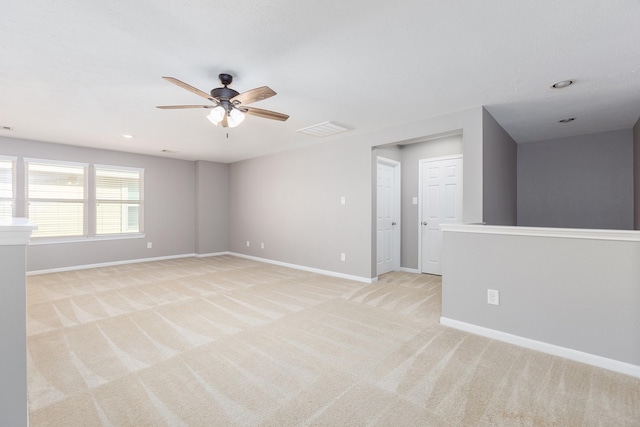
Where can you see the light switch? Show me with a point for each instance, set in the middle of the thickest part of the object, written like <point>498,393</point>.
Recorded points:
<point>414,201</point>
<point>343,200</point>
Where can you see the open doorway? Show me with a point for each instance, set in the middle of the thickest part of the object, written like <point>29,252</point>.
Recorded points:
<point>408,154</point>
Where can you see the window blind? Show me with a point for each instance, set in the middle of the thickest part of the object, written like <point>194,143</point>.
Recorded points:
<point>118,200</point>
<point>56,198</point>
<point>7,188</point>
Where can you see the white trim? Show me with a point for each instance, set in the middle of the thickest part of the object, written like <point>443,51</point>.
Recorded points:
<point>15,231</point>
<point>410,270</point>
<point>305,268</point>
<point>437,159</point>
<point>420,201</point>
<point>212,254</point>
<point>54,162</point>
<point>8,158</point>
<point>118,168</point>
<point>397,206</point>
<point>265,260</point>
<point>567,353</point>
<point>106,264</point>
<point>567,233</point>
<point>60,240</point>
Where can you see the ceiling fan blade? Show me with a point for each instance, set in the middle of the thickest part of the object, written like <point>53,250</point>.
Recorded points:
<point>177,107</point>
<point>253,95</point>
<point>189,88</point>
<point>267,114</point>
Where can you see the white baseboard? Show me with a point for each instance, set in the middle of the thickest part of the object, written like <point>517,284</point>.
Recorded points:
<point>305,268</point>
<point>265,260</point>
<point>212,254</point>
<point>409,270</point>
<point>567,353</point>
<point>106,264</point>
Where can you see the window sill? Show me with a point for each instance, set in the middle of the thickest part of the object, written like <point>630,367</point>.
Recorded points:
<point>58,240</point>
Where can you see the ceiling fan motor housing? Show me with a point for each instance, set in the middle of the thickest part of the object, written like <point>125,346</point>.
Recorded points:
<point>223,93</point>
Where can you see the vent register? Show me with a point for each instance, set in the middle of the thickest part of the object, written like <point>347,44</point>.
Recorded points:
<point>324,129</point>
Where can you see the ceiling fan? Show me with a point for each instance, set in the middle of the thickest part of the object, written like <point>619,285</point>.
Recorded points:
<point>229,106</point>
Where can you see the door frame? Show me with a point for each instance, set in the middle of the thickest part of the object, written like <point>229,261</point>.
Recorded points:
<point>420,228</point>
<point>397,232</point>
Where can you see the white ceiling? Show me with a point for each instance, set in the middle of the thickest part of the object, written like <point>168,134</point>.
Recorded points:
<point>83,72</point>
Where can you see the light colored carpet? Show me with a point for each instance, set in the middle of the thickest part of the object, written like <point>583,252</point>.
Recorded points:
<point>229,341</point>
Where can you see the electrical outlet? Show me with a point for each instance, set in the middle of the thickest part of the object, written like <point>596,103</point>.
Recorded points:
<point>149,245</point>
<point>493,297</point>
<point>343,256</point>
<point>248,243</point>
<point>261,245</point>
<point>414,201</point>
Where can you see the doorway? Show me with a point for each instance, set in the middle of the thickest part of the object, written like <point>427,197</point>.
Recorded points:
<point>440,203</point>
<point>388,215</point>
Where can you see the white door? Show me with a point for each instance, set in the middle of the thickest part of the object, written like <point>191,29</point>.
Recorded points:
<point>388,216</point>
<point>441,203</point>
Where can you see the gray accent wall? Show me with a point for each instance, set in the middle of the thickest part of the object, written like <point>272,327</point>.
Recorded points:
<point>636,174</point>
<point>212,207</point>
<point>577,182</point>
<point>499,159</point>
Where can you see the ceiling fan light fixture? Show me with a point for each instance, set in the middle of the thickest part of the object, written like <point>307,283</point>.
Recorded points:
<point>216,115</point>
<point>235,118</point>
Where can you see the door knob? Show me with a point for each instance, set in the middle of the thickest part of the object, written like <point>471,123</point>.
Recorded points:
<point>393,223</point>
<point>424,222</point>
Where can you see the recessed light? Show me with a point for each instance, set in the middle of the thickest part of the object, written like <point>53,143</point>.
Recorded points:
<point>562,84</point>
<point>124,135</point>
<point>570,119</point>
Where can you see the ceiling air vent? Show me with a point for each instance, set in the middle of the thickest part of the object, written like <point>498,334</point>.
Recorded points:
<point>5,128</point>
<point>324,129</point>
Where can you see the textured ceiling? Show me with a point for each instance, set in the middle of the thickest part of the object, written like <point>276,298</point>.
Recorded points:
<point>83,72</point>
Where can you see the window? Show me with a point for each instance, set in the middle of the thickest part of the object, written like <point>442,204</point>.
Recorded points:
<point>56,198</point>
<point>118,200</point>
<point>7,187</point>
